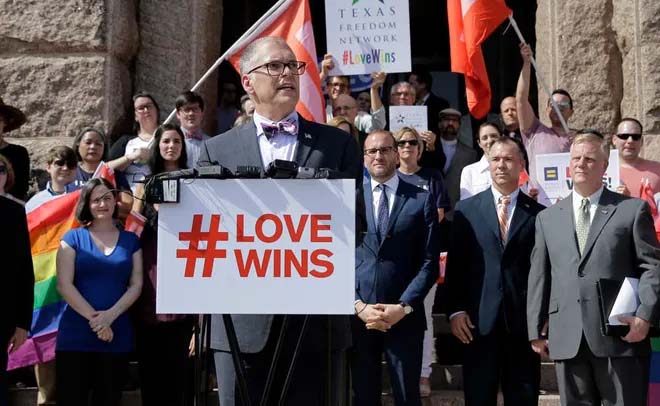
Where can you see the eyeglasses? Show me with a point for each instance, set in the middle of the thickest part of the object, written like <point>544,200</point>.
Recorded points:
<point>402,94</point>
<point>144,107</point>
<point>624,137</point>
<point>3,170</point>
<point>372,152</point>
<point>277,68</point>
<point>403,143</point>
<point>564,105</point>
<point>62,163</point>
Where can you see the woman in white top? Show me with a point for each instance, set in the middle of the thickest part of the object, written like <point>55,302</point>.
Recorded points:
<point>475,177</point>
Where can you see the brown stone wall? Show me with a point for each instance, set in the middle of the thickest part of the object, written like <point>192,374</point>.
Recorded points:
<point>178,43</point>
<point>66,64</point>
<point>606,53</point>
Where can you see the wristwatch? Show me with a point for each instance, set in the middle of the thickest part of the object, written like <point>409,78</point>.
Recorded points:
<point>407,309</point>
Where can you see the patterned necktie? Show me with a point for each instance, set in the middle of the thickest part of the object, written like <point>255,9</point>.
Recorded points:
<point>503,216</point>
<point>383,212</point>
<point>582,224</point>
<point>284,127</point>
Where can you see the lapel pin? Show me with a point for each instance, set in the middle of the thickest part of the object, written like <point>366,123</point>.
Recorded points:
<point>309,137</point>
<point>604,211</point>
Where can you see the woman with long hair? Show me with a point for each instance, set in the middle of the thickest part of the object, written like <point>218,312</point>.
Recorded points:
<point>164,341</point>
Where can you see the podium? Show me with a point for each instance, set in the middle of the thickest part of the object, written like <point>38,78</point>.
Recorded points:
<point>257,246</point>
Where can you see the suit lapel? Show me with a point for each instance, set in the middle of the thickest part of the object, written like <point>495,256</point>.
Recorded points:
<point>604,211</point>
<point>306,141</point>
<point>566,221</point>
<point>369,207</point>
<point>250,148</point>
<point>399,201</point>
<point>489,213</point>
<point>520,215</point>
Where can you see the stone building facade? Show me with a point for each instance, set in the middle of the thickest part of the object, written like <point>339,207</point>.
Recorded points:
<point>74,63</point>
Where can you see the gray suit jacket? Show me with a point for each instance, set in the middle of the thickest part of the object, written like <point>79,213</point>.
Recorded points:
<point>562,284</point>
<point>463,157</point>
<point>319,146</point>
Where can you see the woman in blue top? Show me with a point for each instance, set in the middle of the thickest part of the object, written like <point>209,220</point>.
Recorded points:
<point>99,275</point>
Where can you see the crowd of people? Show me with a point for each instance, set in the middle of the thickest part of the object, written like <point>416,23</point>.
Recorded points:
<point>520,280</point>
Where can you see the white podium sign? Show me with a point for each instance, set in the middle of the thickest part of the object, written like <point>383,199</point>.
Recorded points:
<point>258,246</point>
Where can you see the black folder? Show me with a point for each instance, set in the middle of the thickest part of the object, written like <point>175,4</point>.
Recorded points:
<point>608,289</point>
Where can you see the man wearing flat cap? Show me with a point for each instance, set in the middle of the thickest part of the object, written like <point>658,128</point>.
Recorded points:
<point>10,119</point>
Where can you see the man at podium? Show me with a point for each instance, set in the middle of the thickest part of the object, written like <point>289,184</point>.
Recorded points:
<point>270,74</point>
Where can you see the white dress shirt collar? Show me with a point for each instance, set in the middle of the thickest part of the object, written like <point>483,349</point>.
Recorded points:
<point>258,120</point>
<point>511,207</point>
<point>593,202</point>
<point>392,183</point>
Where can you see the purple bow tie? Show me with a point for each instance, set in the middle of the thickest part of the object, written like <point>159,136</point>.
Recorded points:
<point>195,135</point>
<point>282,127</point>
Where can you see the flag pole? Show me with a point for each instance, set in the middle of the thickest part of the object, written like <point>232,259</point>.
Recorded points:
<point>539,77</point>
<point>230,51</point>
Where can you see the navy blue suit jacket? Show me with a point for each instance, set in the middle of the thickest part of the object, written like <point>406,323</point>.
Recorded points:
<point>404,266</point>
<point>482,275</point>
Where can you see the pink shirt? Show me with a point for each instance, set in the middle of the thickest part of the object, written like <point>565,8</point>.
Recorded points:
<point>540,139</point>
<point>632,176</point>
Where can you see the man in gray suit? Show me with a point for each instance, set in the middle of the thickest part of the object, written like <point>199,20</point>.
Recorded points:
<point>270,75</point>
<point>592,234</point>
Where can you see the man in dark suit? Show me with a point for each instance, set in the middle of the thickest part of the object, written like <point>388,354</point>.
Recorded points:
<point>270,75</point>
<point>17,287</point>
<point>396,265</point>
<point>486,283</point>
<point>592,234</point>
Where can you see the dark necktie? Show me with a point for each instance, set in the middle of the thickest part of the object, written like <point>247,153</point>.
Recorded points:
<point>383,212</point>
<point>284,127</point>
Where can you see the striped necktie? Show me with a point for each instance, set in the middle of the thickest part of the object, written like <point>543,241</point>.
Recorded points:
<point>503,216</point>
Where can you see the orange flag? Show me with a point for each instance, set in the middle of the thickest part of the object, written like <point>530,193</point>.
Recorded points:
<point>470,23</point>
<point>646,194</point>
<point>292,20</point>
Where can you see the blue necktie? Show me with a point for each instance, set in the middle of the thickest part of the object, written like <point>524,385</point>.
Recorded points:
<point>383,212</point>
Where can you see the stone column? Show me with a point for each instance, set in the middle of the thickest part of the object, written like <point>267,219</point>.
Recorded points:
<point>606,53</point>
<point>66,64</point>
<point>178,43</point>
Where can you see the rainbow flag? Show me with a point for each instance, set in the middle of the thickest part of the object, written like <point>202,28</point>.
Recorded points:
<point>47,224</point>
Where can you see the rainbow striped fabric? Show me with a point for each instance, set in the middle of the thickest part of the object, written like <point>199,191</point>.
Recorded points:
<point>47,224</point>
<point>654,379</point>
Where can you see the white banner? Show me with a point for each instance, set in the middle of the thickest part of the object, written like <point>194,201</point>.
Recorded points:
<point>408,116</point>
<point>367,36</point>
<point>553,174</point>
<point>258,246</point>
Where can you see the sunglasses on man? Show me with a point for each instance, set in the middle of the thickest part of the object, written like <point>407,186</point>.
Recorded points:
<point>624,137</point>
<point>62,163</point>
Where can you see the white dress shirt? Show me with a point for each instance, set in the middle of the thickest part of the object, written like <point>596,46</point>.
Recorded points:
<point>392,184</point>
<point>593,203</point>
<point>475,178</point>
<point>280,146</point>
<point>511,207</point>
<point>193,147</point>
